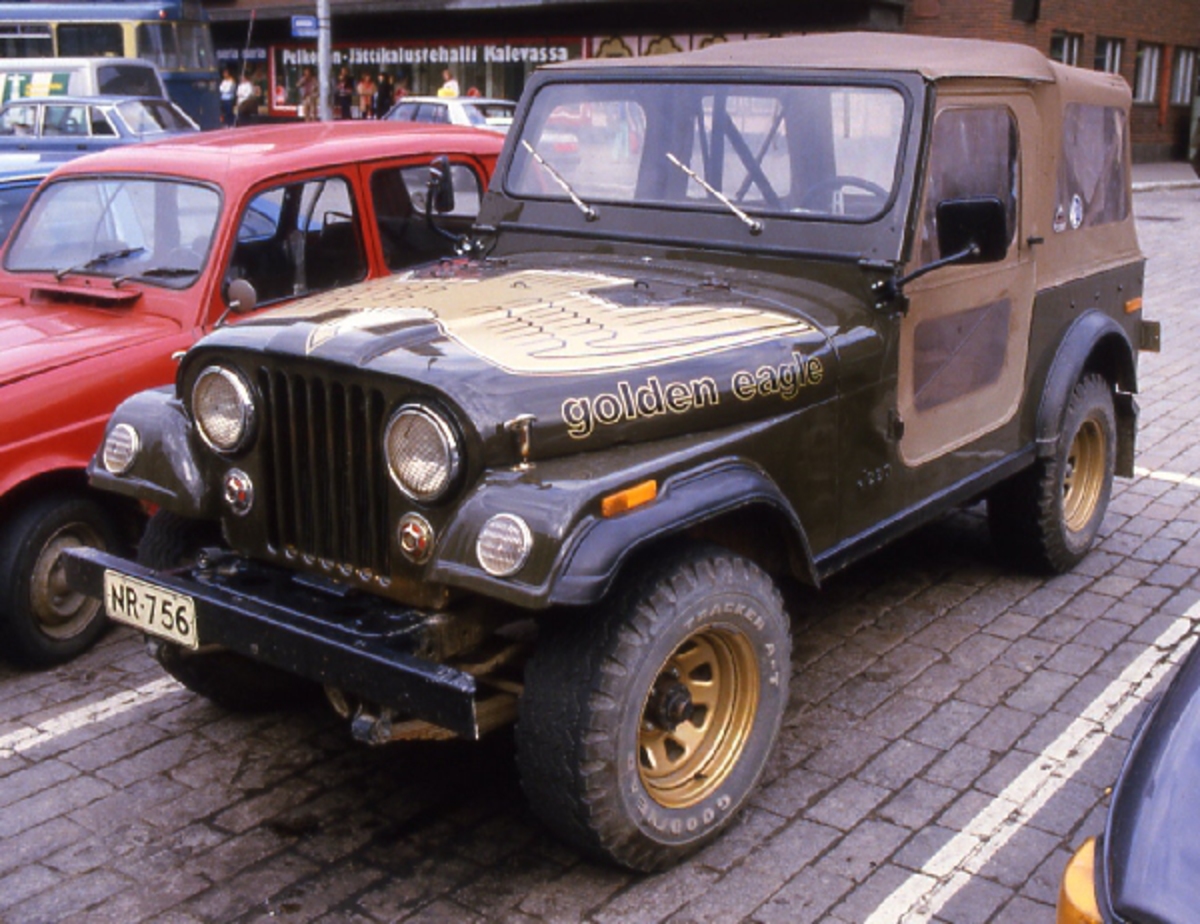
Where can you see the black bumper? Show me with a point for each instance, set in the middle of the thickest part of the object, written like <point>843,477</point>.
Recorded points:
<point>269,618</point>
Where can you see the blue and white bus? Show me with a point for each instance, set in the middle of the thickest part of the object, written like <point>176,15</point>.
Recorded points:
<point>173,34</point>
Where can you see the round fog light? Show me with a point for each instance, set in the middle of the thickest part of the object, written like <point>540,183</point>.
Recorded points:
<point>503,544</point>
<point>121,448</point>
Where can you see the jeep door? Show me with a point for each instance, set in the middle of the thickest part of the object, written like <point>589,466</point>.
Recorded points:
<point>964,341</point>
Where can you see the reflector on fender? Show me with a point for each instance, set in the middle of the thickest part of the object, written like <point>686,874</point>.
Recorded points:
<point>1077,891</point>
<point>1134,304</point>
<point>629,498</point>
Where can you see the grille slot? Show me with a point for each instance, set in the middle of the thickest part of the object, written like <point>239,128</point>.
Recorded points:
<point>327,497</point>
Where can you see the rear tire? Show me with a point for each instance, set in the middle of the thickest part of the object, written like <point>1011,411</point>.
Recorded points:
<point>645,726</point>
<point>228,679</point>
<point>1048,517</point>
<point>42,621</point>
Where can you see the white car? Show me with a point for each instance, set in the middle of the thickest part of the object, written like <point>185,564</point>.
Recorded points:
<point>481,112</point>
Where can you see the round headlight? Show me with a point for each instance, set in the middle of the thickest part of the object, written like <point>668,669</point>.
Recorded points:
<point>223,408</point>
<point>422,452</point>
<point>503,544</point>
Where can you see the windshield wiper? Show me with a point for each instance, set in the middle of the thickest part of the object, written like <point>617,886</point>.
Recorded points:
<point>169,271</point>
<point>99,260</point>
<point>754,225</point>
<point>588,212</point>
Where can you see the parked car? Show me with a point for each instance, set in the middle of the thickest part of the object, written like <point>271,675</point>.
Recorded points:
<point>124,258</point>
<point>482,112</point>
<point>793,299</point>
<point>20,174</point>
<point>80,124</point>
<point>1145,867</point>
<point>79,76</point>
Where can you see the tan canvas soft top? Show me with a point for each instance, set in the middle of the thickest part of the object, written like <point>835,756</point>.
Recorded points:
<point>933,58</point>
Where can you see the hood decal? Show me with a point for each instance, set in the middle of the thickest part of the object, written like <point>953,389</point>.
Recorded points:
<point>538,322</point>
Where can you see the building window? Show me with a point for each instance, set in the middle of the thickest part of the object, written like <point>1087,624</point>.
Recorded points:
<point>1064,47</point>
<point>1183,76</point>
<point>1108,55</point>
<point>1145,79</point>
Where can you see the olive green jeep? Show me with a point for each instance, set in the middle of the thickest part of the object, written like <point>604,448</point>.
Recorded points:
<point>728,318</point>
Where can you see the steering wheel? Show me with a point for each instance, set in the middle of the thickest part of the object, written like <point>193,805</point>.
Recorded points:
<point>832,183</point>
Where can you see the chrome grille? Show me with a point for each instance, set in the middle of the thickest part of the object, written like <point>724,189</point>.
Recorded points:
<point>327,497</point>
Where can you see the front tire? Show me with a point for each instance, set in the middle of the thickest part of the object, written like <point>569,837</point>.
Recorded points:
<point>228,679</point>
<point>644,727</point>
<point>42,621</point>
<point>1048,517</point>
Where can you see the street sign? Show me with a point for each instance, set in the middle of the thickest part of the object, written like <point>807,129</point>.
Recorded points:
<point>304,27</point>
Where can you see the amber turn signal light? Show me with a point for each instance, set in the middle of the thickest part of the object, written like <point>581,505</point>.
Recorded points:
<point>629,498</point>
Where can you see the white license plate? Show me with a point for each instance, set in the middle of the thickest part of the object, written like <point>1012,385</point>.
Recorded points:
<point>151,608</point>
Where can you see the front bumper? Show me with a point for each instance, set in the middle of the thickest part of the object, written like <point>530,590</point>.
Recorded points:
<point>357,643</point>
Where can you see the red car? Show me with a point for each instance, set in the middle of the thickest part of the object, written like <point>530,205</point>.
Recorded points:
<point>125,258</point>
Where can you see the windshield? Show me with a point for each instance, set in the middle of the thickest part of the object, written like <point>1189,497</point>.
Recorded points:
<point>157,231</point>
<point>803,151</point>
<point>150,117</point>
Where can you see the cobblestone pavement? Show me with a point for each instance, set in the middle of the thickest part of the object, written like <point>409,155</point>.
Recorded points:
<point>934,754</point>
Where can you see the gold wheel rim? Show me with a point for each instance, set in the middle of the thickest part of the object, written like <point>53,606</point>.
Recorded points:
<point>61,612</point>
<point>1083,480</point>
<point>697,717</point>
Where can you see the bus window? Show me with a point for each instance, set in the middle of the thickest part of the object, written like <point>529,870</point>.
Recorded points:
<point>26,40</point>
<point>195,47</point>
<point>156,42</point>
<point>90,40</point>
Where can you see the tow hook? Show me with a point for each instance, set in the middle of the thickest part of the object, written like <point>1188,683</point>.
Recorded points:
<point>372,729</point>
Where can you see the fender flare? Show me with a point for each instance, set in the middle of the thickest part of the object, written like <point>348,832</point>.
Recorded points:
<point>166,472</point>
<point>603,546</point>
<point>1093,342</point>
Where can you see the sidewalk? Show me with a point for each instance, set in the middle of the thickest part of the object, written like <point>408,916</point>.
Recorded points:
<point>1175,174</point>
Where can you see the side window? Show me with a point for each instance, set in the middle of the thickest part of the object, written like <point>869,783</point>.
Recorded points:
<point>18,120</point>
<point>65,120</point>
<point>299,238</point>
<point>1091,174</point>
<point>974,153</point>
<point>399,196</point>
<point>467,194</point>
<point>100,124</point>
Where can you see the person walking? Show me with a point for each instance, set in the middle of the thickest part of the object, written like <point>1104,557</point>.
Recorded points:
<point>449,84</point>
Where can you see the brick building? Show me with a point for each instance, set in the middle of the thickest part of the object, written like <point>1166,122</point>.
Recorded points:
<point>1154,44</point>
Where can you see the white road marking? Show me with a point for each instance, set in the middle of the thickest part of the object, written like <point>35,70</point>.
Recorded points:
<point>23,739</point>
<point>924,893</point>
<point>1173,477</point>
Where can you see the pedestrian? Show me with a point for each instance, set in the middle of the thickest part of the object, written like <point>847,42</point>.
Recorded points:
<point>366,95</point>
<point>309,93</point>
<point>449,84</point>
<point>246,99</point>
<point>343,94</point>
<point>383,95</point>
<point>228,92</point>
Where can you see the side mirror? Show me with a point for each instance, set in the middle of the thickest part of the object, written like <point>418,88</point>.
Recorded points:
<point>441,185</point>
<point>241,297</point>
<point>977,227</point>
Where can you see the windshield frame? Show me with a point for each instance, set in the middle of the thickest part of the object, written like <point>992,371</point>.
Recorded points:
<point>116,271</point>
<point>541,106</point>
<point>515,223</point>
